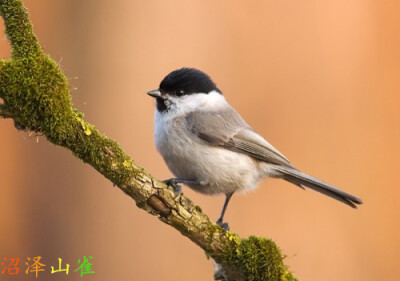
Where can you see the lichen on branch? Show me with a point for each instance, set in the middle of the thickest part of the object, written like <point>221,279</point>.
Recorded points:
<point>36,94</point>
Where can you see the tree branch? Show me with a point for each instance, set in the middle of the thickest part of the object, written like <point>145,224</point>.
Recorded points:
<point>36,95</point>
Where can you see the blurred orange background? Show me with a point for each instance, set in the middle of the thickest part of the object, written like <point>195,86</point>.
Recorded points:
<point>319,79</point>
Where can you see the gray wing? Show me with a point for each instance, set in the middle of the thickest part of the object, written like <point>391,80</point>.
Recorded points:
<point>227,129</point>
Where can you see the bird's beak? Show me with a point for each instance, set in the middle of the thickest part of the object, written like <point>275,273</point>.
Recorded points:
<point>155,94</point>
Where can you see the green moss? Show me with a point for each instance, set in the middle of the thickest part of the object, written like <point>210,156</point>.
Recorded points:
<point>211,230</point>
<point>36,91</point>
<point>19,29</point>
<point>258,258</point>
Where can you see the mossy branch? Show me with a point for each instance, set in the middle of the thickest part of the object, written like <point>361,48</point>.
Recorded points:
<point>19,29</point>
<point>36,95</point>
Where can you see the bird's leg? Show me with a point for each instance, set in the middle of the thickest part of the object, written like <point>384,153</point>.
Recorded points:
<point>174,182</point>
<point>220,221</point>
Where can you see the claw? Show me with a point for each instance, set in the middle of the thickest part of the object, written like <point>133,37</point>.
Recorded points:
<point>175,186</point>
<point>224,225</point>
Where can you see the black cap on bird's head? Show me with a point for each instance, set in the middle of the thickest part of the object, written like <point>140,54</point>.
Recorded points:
<point>186,81</point>
<point>182,82</point>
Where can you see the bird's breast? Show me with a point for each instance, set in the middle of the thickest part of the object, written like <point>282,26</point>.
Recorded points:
<point>192,158</point>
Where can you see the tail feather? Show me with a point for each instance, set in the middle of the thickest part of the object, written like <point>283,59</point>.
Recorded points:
<point>301,179</point>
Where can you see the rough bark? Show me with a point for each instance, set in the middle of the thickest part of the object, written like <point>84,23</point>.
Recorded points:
<point>36,95</point>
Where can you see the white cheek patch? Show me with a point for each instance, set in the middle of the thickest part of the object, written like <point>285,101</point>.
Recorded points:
<point>201,101</point>
<point>178,106</point>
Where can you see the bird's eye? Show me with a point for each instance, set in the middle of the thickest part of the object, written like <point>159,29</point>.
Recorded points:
<point>180,93</point>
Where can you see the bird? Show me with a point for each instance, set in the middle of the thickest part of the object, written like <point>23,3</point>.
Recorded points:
<point>209,147</point>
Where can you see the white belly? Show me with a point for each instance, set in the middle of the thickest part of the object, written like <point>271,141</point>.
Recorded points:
<point>190,158</point>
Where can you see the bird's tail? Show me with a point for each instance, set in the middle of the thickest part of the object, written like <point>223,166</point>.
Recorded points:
<point>303,180</point>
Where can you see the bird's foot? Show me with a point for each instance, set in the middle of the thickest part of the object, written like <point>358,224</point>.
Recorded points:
<point>224,225</point>
<point>174,183</point>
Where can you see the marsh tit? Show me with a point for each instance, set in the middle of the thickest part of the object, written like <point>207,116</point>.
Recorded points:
<point>210,148</point>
